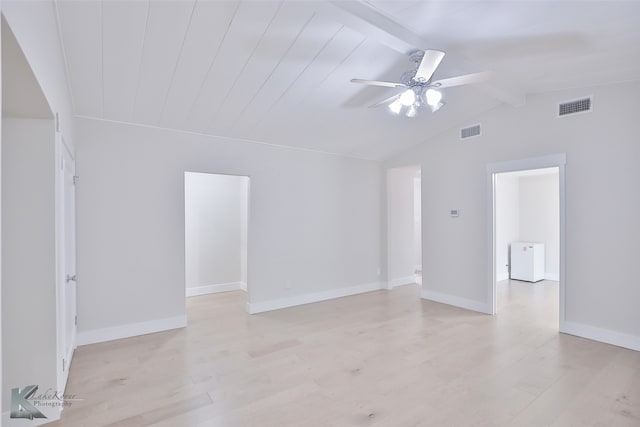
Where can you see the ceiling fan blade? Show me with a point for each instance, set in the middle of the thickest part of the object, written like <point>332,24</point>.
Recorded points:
<point>385,101</point>
<point>377,83</point>
<point>428,65</point>
<point>464,80</point>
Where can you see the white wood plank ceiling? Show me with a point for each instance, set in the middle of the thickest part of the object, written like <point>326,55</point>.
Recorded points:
<point>279,71</point>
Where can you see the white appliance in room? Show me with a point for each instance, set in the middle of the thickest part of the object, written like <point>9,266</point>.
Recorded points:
<point>527,261</point>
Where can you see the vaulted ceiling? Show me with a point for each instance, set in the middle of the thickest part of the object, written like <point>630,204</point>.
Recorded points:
<point>279,71</point>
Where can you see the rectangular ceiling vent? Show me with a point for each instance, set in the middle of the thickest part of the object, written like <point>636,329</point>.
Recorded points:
<point>470,131</point>
<point>575,106</point>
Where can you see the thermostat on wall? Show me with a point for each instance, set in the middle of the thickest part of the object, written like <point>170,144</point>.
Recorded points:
<point>454,213</point>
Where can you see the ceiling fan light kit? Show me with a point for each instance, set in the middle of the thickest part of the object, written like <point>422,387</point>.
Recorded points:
<point>419,87</point>
<point>433,97</point>
<point>410,100</point>
<point>395,106</point>
<point>407,98</point>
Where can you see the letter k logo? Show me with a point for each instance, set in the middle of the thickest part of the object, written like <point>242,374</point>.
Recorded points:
<point>21,407</point>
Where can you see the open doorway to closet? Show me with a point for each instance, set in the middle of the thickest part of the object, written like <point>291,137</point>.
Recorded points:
<point>526,199</point>
<point>216,229</point>
<point>404,226</point>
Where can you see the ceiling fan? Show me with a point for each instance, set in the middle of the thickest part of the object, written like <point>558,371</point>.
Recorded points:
<point>419,86</point>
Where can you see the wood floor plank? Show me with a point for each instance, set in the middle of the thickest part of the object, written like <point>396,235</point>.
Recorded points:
<point>384,358</point>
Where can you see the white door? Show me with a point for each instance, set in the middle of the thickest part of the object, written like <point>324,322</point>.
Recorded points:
<point>67,294</point>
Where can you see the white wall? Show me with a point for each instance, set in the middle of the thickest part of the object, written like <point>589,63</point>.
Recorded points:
<point>314,223</point>
<point>528,209</point>
<point>540,217</point>
<point>401,225</point>
<point>417,222</point>
<point>1,350</point>
<point>601,203</point>
<point>507,217</point>
<point>35,27</point>
<point>214,229</point>
<point>244,230</point>
<point>28,257</point>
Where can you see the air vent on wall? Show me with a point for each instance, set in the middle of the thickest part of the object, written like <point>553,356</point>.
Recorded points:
<point>470,131</point>
<point>576,106</point>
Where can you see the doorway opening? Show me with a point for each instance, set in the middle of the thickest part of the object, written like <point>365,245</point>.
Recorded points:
<point>527,240</point>
<point>216,232</point>
<point>526,202</point>
<point>404,226</point>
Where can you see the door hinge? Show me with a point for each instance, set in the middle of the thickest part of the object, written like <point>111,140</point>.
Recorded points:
<point>57,122</point>
<point>64,365</point>
<point>75,179</point>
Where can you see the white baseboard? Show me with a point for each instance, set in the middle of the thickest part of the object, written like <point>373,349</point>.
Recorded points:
<point>552,276</point>
<point>193,291</point>
<point>276,304</point>
<point>243,286</point>
<point>603,335</point>
<point>418,279</point>
<point>456,301</point>
<point>409,280</point>
<point>131,330</point>
<point>502,276</point>
<point>547,276</point>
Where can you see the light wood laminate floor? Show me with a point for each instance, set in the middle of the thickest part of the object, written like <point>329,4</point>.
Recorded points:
<point>384,358</point>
